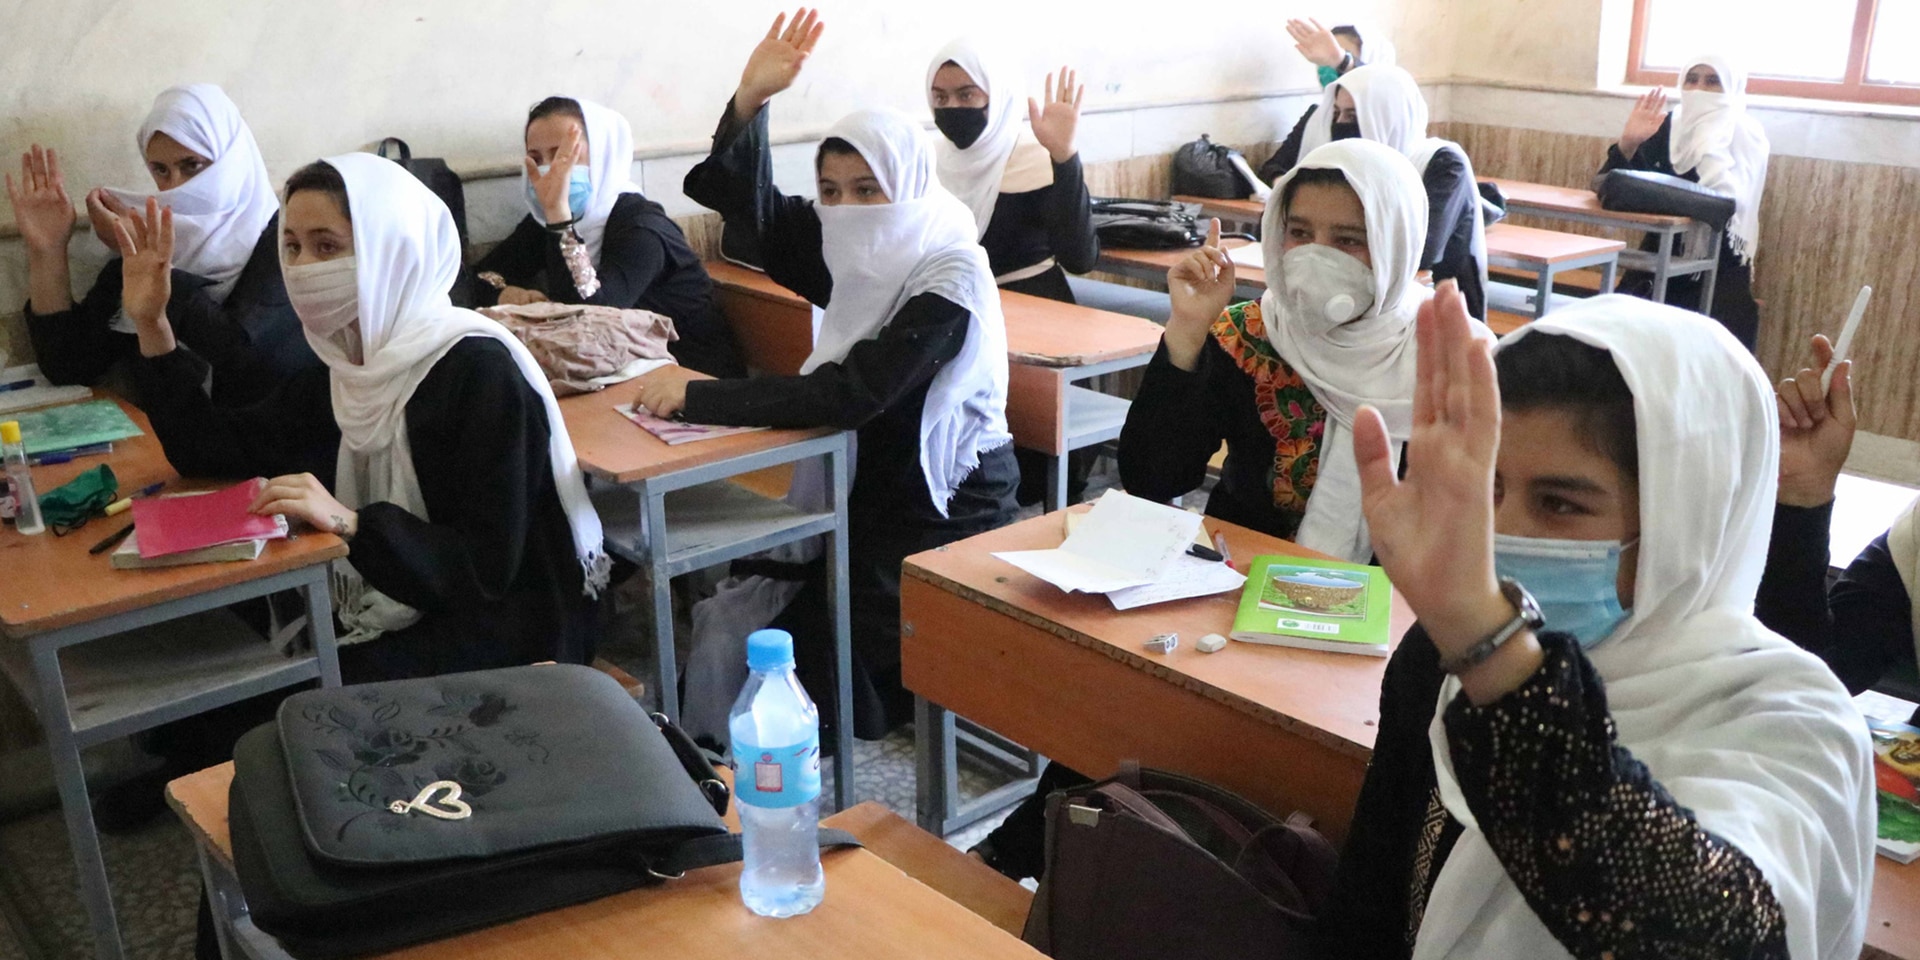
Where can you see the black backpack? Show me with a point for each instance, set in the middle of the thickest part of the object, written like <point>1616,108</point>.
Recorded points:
<point>1205,169</point>
<point>1130,224</point>
<point>438,177</point>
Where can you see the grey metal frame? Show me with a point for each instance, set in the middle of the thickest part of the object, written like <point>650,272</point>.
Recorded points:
<point>1543,298</point>
<point>1661,263</point>
<point>1092,418</point>
<point>44,681</point>
<point>708,522</point>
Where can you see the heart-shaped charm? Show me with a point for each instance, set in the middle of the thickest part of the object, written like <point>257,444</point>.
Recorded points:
<point>439,799</point>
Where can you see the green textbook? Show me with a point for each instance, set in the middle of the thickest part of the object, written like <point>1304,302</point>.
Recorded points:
<point>1316,605</point>
<point>74,425</point>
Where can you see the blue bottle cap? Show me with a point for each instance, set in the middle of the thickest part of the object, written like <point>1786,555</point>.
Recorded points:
<point>769,650</point>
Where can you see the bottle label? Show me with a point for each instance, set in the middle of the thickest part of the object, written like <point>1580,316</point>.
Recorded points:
<point>777,777</point>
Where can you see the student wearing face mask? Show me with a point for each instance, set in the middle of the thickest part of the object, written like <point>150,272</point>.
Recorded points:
<point>1587,744</point>
<point>472,543</point>
<point>1383,103</point>
<point>1715,142</point>
<point>590,236</point>
<point>228,304</point>
<point>911,351</point>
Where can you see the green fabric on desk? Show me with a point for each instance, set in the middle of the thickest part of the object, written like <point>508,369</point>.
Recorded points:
<point>73,502</point>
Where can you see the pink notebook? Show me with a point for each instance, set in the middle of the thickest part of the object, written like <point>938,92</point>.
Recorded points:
<point>169,525</point>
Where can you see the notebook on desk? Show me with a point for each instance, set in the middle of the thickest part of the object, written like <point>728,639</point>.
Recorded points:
<point>127,555</point>
<point>165,526</point>
<point>74,425</point>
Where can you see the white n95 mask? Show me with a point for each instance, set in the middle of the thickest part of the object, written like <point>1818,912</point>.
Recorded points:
<point>1324,287</point>
<point>326,295</point>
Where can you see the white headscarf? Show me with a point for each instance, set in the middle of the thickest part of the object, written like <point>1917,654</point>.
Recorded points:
<point>609,170</point>
<point>1741,727</point>
<point>883,255</point>
<point>1369,360</point>
<point>408,256</point>
<point>1006,158</point>
<point>1392,110</point>
<point>1375,48</point>
<point>1715,137</point>
<point>218,215</point>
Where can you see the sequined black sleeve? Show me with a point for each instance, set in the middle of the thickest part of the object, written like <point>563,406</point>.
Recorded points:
<point>1608,860</point>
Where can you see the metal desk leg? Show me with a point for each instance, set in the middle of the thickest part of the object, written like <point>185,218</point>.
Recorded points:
<point>666,673</point>
<point>1543,292</point>
<point>1057,470</point>
<point>1713,274</point>
<point>1663,265</point>
<point>75,804</point>
<point>841,610</point>
<point>1610,275</point>
<point>936,781</point>
<point>219,905</point>
<point>320,627</point>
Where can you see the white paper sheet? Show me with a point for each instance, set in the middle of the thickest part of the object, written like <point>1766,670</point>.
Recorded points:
<point>1250,256</point>
<point>1123,542</point>
<point>1188,577</point>
<point>41,394</point>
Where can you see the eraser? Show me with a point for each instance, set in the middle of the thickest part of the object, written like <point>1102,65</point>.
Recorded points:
<point>1212,643</point>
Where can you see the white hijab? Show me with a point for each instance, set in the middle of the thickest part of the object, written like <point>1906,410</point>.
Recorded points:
<point>1365,361</point>
<point>218,215</point>
<point>408,255</point>
<point>1375,47</point>
<point>1393,111</point>
<point>1006,158</point>
<point>1741,727</point>
<point>609,170</point>
<point>1715,137</point>
<point>883,255</point>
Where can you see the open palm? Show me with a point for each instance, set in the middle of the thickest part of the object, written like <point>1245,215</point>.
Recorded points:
<point>776,61</point>
<point>146,246</point>
<point>41,208</point>
<point>1056,119</point>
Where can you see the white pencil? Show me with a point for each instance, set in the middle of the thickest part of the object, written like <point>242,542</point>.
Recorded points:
<point>1846,336</point>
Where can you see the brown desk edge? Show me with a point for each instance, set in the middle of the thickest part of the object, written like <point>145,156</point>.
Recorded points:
<point>1575,200</point>
<point>615,449</point>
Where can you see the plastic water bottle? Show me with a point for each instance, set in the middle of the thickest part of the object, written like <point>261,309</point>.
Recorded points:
<point>776,752</point>
<point>25,504</point>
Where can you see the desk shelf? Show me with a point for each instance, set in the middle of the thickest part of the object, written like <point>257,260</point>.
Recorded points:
<point>1513,298</point>
<point>1094,417</point>
<point>706,525</point>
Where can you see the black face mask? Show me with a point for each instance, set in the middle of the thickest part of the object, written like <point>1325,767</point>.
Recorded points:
<point>1346,131</point>
<point>962,125</point>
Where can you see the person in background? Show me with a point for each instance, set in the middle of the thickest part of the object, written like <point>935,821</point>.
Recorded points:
<point>1715,142</point>
<point>911,352</point>
<point>1587,744</point>
<point>590,236</point>
<point>229,306</point>
<point>1384,104</point>
<point>1862,623</point>
<point>1336,51</point>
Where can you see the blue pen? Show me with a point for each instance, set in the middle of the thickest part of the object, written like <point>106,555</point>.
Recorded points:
<point>17,385</point>
<point>64,456</point>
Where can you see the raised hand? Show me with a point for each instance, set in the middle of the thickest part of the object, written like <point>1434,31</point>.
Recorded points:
<point>102,209</point>
<point>1316,43</point>
<point>1649,112</point>
<point>1200,286</point>
<point>1057,118</point>
<point>146,269</point>
<point>41,207</point>
<point>1816,429</point>
<point>551,187</point>
<point>776,62</point>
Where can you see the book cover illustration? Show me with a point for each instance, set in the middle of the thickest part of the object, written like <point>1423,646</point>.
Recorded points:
<point>1896,776</point>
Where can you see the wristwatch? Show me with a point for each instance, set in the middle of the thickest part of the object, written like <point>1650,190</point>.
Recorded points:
<point>1526,615</point>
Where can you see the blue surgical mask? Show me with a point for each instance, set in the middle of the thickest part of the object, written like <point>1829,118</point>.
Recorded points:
<point>1576,582</point>
<point>579,190</point>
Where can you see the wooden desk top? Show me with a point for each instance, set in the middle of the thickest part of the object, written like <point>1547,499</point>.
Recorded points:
<point>1040,332</point>
<point>51,582</point>
<point>1332,698</point>
<point>1163,260</point>
<point>1545,247</point>
<point>1542,196</point>
<point>1240,209</point>
<point>872,910</point>
<point>613,448</point>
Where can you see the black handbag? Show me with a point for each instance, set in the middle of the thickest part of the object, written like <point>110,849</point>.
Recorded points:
<point>1151,864</point>
<point>372,817</point>
<point>1205,169</point>
<point>1640,191</point>
<point>1129,224</point>
<point>438,177</point>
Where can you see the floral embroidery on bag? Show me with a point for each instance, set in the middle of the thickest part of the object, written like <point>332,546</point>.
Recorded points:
<point>1288,409</point>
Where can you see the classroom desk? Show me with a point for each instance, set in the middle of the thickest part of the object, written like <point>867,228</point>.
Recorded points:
<point>1152,266</point>
<point>873,909</point>
<point>1051,346</point>
<point>1545,254</point>
<point>55,597</point>
<point>639,484</point>
<point>1241,215</point>
<point>1065,674</point>
<point>1583,206</point>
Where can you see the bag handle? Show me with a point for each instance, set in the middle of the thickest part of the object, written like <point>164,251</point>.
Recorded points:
<point>696,762</point>
<point>406,152</point>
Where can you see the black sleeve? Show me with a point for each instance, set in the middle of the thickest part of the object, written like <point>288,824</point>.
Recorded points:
<point>1449,194</point>
<point>736,180</point>
<point>1581,826</point>
<point>1652,155</point>
<point>291,431</point>
<point>518,260</point>
<point>927,333</point>
<point>1288,156</point>
<point>632,259</point>
<point>1070,218</point>
<point>476,542</point>
<point>1173,427</point>
<point>1861,626</point>
<point>1793,588</point>
<point>77,345</point>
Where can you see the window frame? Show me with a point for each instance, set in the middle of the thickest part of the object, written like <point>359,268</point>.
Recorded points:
<point>1854,88</point>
